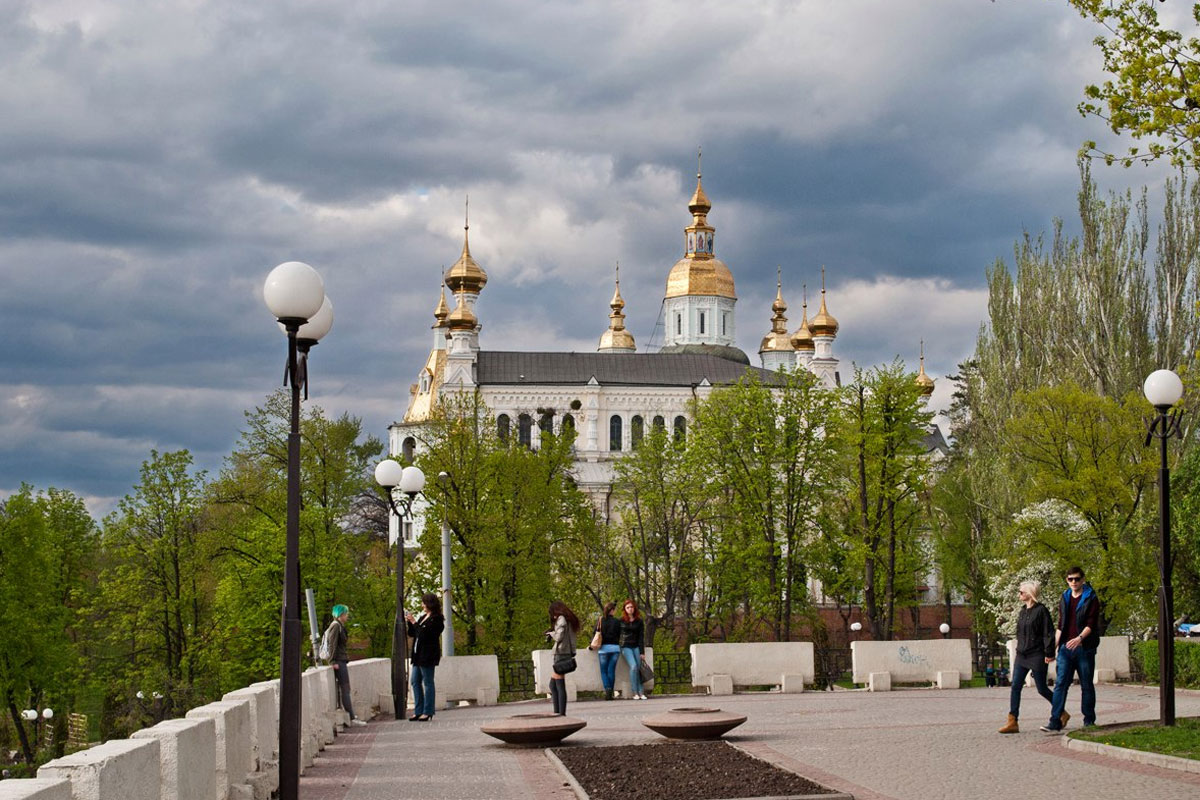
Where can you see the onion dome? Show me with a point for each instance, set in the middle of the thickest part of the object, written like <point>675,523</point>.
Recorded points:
<point>777,339</point>
<point>802,340</point>
<point>462,318</point>
<point>699,272</point>
<point>442,311</point>
<point>823,324</point>
<point>923,380</point>
<point>616,337</point>
<point>465,274</point>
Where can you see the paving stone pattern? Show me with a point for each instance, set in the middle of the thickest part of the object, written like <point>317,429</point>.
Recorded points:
<point>919,744</point>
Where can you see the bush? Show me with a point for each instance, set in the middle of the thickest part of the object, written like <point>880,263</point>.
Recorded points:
<point>1187,662</point>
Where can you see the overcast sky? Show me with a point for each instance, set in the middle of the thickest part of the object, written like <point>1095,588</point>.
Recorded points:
<point>157,159</point>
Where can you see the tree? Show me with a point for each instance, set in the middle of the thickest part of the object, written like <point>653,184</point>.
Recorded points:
<point>1154,93</point>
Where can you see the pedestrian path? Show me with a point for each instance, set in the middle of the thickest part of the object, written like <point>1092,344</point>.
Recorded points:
<point>904,745</point>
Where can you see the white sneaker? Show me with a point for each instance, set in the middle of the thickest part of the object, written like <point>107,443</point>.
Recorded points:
<point>358,723</point>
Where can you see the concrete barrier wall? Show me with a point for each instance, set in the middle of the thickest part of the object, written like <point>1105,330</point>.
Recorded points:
<point>35,789</point>
<point>187,753</point>
<point>1112,655</point>
<point>264,722</point>
<point>121,769</point>
<point>911,661</point>
<point>369,678</point>
<point>462,677</point>
<point>234,751</point>
<point>586,678</point>
<point>753,663</point>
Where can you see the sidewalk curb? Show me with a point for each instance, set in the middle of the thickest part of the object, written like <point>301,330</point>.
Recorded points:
<point>567,776</point>
<point>1138,756</point>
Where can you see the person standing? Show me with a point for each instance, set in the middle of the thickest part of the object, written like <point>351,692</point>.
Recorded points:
<point>426,633</point>
<point>341,673</point>
<point>563,627</point>
<point>1077,640</point>
<point>609,652</point>
<point>1035,651</point>
<point>633,645</point>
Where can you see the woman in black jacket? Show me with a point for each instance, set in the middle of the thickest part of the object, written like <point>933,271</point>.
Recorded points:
<point>633,645</point>
<point>1035,651</point>
<point>426,632</point>
<point>609,651</point>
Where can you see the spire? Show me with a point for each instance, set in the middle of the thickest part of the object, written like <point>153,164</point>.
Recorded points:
<point>803,340</point>
<point>824,324</point>
<point>442,311</point>
<point>616,338</point>
<point>923,380</point>
<point>699,205</point>
<point>466,274</point>
<point>777,339</point>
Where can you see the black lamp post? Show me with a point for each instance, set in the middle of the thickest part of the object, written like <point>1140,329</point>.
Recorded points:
<point>295,294</point>
<point>1163,389</point>
<point>409,481</point>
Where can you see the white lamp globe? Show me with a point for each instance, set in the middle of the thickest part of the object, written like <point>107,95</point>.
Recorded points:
<point>318,324</point>
<point>47,713</point>
<point>1163,388</point>
<point>856,626</point>
<point>294,290</point>
<point>388,473</point>
<point>944,628</point>
<point>412,481</point>
<point>29,715</point>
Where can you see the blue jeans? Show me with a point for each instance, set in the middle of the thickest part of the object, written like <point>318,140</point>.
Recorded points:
<point>1071,662</point>
<point>1018,683</point>
<point>608,665</point>
<point>423,691</point>
<point>632,656</point>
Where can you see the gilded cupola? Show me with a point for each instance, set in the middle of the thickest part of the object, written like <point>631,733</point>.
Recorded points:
<point>442,311</point>
<point>462,318</point>
<point>617,338</point>
<point>699,272</point>
<point>802,340</point>
<point>823,324</point>
<point>466,275</point>
<point>925,382</point>
<point>777,339</point>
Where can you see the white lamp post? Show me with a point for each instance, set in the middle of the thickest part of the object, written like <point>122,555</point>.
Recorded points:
<point>408,481</point>
<point>945,629</point>
<point>1163,389</point>
<point>295,294</point>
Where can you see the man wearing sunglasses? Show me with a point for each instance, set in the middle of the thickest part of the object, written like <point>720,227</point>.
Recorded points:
<point>1076,640</point>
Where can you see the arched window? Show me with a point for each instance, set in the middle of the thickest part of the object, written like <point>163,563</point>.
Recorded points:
<point>408,449</point>
<point>701,322</point>
<point>546,422</point>
<point>568,422</point>
<point>614,432</point>
<point>503,424</point>
<point>680,429</point>
<point>679,324</point>
<point>637,428</point>
<point>525,430</point>
<point>660,423</point>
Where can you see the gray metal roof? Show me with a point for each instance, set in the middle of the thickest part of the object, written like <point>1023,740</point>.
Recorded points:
<point>629,369</point>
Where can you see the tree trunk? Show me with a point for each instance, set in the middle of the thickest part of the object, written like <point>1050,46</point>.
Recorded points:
<point>20,726</point>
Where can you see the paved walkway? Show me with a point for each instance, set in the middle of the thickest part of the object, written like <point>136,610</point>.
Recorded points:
<point>903,745</point>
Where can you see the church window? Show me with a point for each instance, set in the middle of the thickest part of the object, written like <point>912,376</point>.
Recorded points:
<point>503,423</point>
<point>680,429</point>
<point>546,422</point>
<point>408,450</point>
<point>724,320</point>
<point>614,433</point>
<point>659,422</point>
<point>568,422</point>
<point>701,323</point>
<point>525,430</point>
<point>678,324</point>
<point>637,427</point>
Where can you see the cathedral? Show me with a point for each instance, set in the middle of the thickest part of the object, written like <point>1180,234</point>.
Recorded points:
<point>612,395</point>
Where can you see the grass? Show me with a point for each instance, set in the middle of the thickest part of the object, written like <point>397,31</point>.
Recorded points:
<point>1182,740</point>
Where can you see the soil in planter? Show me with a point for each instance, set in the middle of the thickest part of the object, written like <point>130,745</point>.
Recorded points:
<point>679,771</point>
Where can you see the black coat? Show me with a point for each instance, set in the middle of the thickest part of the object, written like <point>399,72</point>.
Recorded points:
<point>426,634</point>
<point>633,634</point>
<point>1035,636</point>
<point>610,630</point>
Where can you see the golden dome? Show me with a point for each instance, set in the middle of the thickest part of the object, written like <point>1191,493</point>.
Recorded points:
<point>462,318</point>
<point>616,337</point>
<point>923,380</point>
<point>803,340</point>
<point>777,339</point>
<point>465,274</point>
<point>696,276</point>
<point>699,204</point>
<point>823,324</point>
<point>442,311</point>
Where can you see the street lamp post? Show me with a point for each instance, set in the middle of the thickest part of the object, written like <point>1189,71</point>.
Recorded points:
<point>295,294</point>
<point>447,611</point>
<point>409,481</point>
<point>1164,389</point>
<point>945,630</point>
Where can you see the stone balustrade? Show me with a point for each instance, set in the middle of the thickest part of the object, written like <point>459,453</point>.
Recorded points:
<point>721,667</point>
<point>880,664</point>
<point>475,679</point>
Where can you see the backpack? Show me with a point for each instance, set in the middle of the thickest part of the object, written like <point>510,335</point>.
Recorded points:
<point>328,643</point>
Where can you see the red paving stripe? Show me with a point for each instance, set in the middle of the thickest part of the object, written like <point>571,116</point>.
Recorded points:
<point>1054,746</point>
<point>333,773</point>
<point>542,778</point>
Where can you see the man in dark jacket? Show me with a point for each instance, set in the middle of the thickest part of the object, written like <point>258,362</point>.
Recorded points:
<point>1077,638</point>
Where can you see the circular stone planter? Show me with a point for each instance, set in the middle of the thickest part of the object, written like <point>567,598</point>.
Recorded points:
<point>533,729</point>
<point>694,723</point>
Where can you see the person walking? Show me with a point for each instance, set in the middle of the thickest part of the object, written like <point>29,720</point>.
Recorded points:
<point>633,645</point>
<point>339,660</point>
<point>563,627</point>
<point>426,633</point>
<point>609,652</point>
<point>1035,651</point>
<point>1077,639</point>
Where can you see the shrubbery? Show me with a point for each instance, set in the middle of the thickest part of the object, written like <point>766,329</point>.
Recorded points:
<point>1187,662</point>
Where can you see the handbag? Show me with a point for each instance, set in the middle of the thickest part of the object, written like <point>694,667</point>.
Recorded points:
<point>565,666</point>
<point>645,672</point>
<point>597,640</point>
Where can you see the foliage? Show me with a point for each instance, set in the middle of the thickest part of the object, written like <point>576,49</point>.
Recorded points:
<point>1187,662</point>
<point>1181,740</point>
<point>1153,93</point>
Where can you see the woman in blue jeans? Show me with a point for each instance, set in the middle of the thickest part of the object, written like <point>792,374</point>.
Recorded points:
<point>1035,651</point>
<point>426,632</point>
<point>633,645</point>
<point>609,629</point>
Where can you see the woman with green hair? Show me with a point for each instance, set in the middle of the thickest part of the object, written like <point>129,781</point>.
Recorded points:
<point>341,673</point>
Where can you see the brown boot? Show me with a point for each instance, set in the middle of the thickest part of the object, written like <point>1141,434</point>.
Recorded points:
<point>1063,719</point>
<point>1011,725</point>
